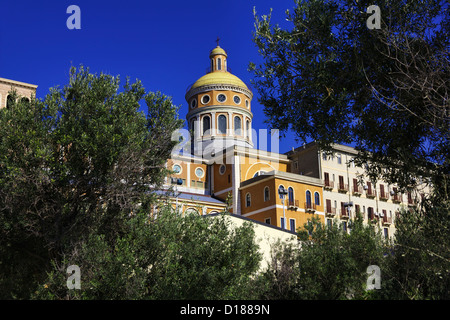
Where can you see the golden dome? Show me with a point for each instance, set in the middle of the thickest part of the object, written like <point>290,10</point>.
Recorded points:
<point>219,78</point>
<point>217,50</point>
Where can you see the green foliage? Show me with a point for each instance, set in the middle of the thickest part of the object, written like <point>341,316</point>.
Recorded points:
<point>167,257</point>
<point>420,265</point>
<point>76,164</point>
<point>329,264</point>
<point>330,79</point>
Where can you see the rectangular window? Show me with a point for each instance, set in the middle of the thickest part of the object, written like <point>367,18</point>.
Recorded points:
<point>292,224</point>
<point>370,213</point>
<point>344,226</point>
<point>267,220</point>
<point>329,223</point>
<point>339,158</point>
<point>386,233</point>
<point>282,223</point>
<point>341,182</point>
<point>328,206</point>
<point>355,185</point>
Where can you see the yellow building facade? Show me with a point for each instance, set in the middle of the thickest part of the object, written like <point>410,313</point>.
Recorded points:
<point>221,169</point>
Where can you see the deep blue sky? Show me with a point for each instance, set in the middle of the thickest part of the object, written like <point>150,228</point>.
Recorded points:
<point>165,44</point>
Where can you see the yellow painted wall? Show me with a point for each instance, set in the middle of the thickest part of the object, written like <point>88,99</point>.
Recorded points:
<point>250,165</point>
<point>274,205</point>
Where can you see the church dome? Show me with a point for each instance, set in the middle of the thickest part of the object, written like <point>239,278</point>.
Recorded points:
<point>219,78</point>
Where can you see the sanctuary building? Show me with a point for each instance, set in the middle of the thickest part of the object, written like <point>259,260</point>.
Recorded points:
<point>218,167</point>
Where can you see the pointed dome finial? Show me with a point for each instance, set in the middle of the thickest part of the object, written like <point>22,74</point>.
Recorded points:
<point>217,40</point>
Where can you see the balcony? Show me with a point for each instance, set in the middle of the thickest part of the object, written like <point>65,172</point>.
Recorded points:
<point>397,198</point>
<point>293,204</point>
<point>384,196</point>
<point>357,190</point>
<point>330,211</point>
<point>344,214</point>
<point>411,202</point>
<point>329,185</point>
<point>310,207</point>
<point>387,220</point>
<point>370,194</point>
<point>342,187</point>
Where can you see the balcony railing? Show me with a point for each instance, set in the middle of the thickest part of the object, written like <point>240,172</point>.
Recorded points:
<point>387,220</point>
<point>344,214</point>
<point>370,193</point>
<point>330,211</point>
<point>329,184</point>
<point>397,198</point>
<point>384,196</point>
<point>293,204</point>
<point>411,202</point>
<point>358,190</point>
<point>310,207</point>
<point>342,187</point>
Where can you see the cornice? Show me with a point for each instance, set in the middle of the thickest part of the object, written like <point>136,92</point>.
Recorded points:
<point>221,108</point>
<point>210,87</point>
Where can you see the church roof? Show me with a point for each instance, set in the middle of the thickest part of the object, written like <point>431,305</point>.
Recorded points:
<point>219,78</point>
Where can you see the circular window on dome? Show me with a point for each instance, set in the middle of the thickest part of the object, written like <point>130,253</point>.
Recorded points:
<point>193,103</point>
<point>222,169</point>
<point>221,97</point>
<point>205,99</point>
<point>237,100</point>
<point>199,172</point>
<point>176,168</point>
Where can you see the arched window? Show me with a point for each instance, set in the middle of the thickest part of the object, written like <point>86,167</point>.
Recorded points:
<point>25,101</point>
<point>248,128</point>
<point>219,64</point>
<point>191,211</point>
<point>317,198</point>
<point>206,125</point>
<point>266,194</point>
<point>222,124</point>
<point>212,65</point>
<point>237,125</point>
<point>291,195</point>
<point>308,197</point>
<point>248,200</point>
<point>9,101</point>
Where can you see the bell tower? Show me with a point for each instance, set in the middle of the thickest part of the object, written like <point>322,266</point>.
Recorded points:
<point>219,108</point>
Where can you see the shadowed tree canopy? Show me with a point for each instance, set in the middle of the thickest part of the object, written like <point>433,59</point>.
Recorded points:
<point>330,78</point>
<point>78,162</point>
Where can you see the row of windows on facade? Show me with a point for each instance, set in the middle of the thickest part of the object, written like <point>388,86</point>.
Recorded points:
<point>10,101</point>
<point>220,98</point>
<point>222,125</point>
<point>371,192</point>
<point>291,199</point>
<point>338,158</point>
<point>371,214</point>
<point>344,227</point>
